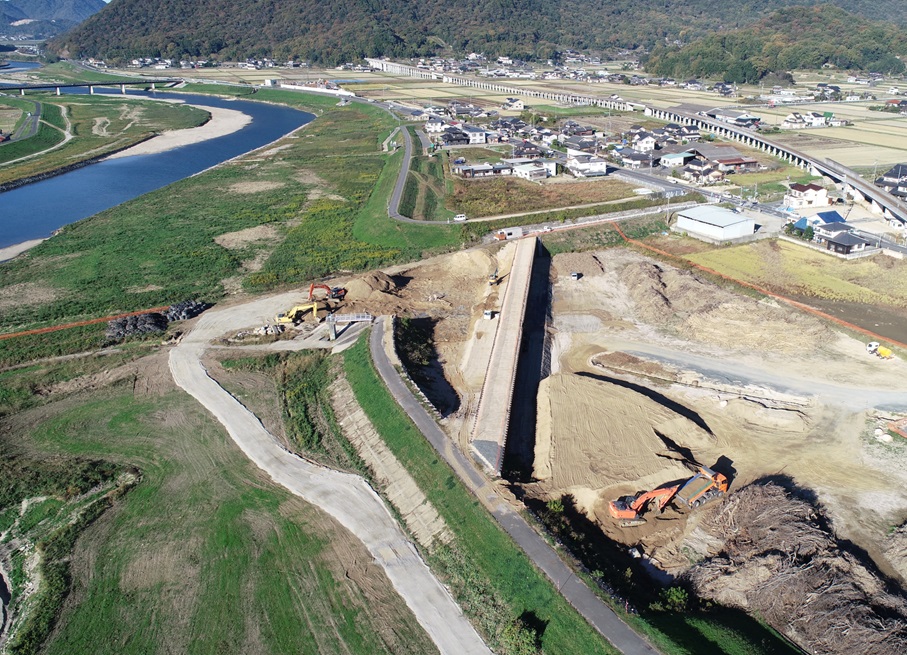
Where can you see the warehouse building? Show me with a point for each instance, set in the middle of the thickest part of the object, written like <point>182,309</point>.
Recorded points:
<point>714,224</point>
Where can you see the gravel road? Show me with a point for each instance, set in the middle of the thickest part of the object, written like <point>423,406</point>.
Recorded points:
<point>347,498</point>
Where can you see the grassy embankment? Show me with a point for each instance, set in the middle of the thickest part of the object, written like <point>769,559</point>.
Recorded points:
<point>506,573</point>
<point>496,568</point>
<point>100,124</point>
<point>203,540</point>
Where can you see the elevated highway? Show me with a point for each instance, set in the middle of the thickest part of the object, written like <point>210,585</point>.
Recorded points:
<point>58,88</point>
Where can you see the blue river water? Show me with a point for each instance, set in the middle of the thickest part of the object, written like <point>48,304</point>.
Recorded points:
<point>35,210</point>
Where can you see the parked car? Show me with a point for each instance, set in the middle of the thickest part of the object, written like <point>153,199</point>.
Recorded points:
<point>460,217</point>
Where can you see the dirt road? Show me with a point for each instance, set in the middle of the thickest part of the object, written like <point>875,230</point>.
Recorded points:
<point>345,497</point>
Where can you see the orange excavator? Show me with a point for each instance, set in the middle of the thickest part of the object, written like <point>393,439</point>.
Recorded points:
<point>706,485</point>
<point>334,293</point>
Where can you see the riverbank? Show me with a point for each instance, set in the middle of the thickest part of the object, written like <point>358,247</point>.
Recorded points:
<point>17,249</point>
<point>222,123</point>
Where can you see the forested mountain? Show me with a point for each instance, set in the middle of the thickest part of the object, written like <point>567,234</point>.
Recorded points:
<point>45,17</point>
<point>331,31</point>
<point>795,37</point>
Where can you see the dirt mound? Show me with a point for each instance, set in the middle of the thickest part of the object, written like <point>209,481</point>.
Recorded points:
<point>780,561</point>
<point>680,301</point>
<point>586,263</point>
<point>895,550</point>
<point>365,287</point>
<point>593,434</point>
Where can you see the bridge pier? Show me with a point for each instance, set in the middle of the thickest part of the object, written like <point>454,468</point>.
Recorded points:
<point>91,90</point>
<point>123,89</point>
<point>57,89</point>
<point>21,92</point>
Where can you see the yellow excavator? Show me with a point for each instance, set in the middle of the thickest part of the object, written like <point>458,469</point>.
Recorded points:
<point>296,315</point>
<point>706,485</point>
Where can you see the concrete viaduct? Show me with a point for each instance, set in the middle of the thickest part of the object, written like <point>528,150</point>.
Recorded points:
<point>852,184</point>
<point>90,85</point>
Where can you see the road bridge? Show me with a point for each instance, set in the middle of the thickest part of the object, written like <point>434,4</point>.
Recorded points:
<point>57,88</point>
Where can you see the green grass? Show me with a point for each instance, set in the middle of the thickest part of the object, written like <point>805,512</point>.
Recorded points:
<point>46,137</point>
<point>491,554</point>
<point>205,540</point>
<point>63,71</point>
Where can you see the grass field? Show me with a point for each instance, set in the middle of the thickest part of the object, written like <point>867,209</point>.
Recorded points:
<point>787,268</point>
<point>204,540</point>
<point>99,124</point>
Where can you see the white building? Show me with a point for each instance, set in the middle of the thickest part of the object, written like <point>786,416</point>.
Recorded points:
<point>806,195</point>
<point>714,223</point>
<point>476,134</point>
<point>435,125</point>
<point>535,170</point>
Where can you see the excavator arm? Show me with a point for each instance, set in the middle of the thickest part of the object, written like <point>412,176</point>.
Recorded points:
<point>629,509</point>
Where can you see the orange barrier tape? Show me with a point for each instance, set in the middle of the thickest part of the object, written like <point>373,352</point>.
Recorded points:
<point>92,321</point>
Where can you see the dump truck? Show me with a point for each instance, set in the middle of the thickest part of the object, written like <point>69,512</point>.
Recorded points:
<point>706,485</point>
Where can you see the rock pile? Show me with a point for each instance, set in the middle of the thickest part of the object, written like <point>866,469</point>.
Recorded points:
<point>153,322</point>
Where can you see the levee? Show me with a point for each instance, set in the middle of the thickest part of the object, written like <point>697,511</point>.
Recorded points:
<point>493,417</point>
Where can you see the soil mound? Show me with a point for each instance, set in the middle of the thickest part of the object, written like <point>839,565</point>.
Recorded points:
<point>364,288</point>
<point>592,434</point>
<point>780,561</point>
<point>679,300</point>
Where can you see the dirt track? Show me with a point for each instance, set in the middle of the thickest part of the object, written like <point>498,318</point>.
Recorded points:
<point>345,497</point>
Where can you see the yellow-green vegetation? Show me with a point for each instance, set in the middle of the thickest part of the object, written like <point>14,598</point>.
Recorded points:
<point>98,124</point>
<point>490,197</point>
<point>10,114</point>
<point>491,578</point>
<point>64,71</point>
<point>203,555</point>
<point>770,184</point>
<point>426,190</point>
<point>791,269</point>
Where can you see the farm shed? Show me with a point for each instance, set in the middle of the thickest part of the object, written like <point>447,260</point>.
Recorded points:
<point>714,223</point>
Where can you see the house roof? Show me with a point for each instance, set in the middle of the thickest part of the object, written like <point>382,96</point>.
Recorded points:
<point>830,217</point>
<point>805,187</point>
<point>834,228</point>
<point>846,239</point>
<point>712,215</point>
<point>897,171</point>
<point>715,152</point>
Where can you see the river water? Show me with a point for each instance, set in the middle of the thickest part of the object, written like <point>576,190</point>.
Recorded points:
<point>35,210</point>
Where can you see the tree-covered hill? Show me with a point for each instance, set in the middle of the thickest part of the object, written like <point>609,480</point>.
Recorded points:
<point>44,17</point>
<point>795,37</point>
<point>343,30</point>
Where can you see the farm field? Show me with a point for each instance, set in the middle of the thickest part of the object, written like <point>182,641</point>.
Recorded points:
<point>790,269</point>
<point>202,534</point>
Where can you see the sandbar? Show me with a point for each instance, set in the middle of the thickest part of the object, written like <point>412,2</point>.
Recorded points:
<point>222,123</point>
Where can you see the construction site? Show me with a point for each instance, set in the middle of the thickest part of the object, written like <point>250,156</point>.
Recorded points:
<point>727,442</point>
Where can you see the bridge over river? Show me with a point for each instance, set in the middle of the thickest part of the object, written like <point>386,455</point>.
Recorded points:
<point>58,87</point>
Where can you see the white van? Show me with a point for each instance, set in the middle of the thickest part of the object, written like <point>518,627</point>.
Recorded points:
<point>460,217</point>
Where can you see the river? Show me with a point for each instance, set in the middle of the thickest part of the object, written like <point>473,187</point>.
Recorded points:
<point>35,210</point>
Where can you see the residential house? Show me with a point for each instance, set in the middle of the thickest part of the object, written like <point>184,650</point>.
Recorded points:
<point>736,164</point>
<point>572,128</point>
<point>535,170</point>
<point>825,231</point>
<point>736,117</point>
<point>701,171</point>
<point>526,149</point>
<point>675,159</point>
<point>453,136</point>
<point>580,145</point>
<point>513,104</point>
<point>484,170</point>
<point>645,142</point>
<point>583,165</point>
<point>476,134</point>
<point>845,243</point>
<point>435,125</point>
<point>631,158</point>
<point>894,181</point>
<point>806,195</point>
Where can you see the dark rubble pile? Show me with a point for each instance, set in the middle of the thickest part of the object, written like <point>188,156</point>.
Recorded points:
<point>153,322</point>
<point>183,311</point>
<point>127,326</point>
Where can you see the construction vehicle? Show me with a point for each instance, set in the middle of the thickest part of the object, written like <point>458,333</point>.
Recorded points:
<point>295,315</point>
<point>493,278</point>
<point>706,485</point>
<point>333,293</point>
<point>874,348</point>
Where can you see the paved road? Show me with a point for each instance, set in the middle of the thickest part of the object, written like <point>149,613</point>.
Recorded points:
<point>347,498</point>
<point>393,207</point>
<point>545,558</point>
<point>29,126</point>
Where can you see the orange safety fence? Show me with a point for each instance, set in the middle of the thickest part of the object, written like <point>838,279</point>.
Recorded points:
<point>92,321</point>
<point>771,294</point>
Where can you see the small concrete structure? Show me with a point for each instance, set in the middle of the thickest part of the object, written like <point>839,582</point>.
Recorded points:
<point>714,223</point>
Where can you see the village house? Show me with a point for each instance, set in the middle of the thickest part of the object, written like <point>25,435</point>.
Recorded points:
<point>894,181</point>
<point>701,171</point>
<point>435,125</point>
<point>845,243</point>
<point>454,136</point>
<point>483,170</point>
<point>580,145</point>
<point>583,165</point>
<point>806,195</point>
<point>635,159</point>
<point>476,134</point>
<point>644,142</point>
<point>535,170</point>
<point>526,149</point>
<point>513,104</point>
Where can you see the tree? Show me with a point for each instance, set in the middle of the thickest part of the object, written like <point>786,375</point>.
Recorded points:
<point>809,233</point>
<point>518,638</point>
